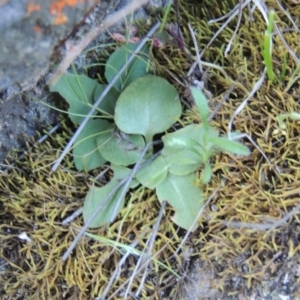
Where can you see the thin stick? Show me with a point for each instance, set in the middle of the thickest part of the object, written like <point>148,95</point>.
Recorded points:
<point>87,224</point>
<point>235,11</point>
<point>138,165</point>
<point>150,243</point>
<point>255,88</point>
<point>45,136</point>
<point>198,60</point>
<point>288,15</point>
<point>41,139</point>
<point>78,212</point>
<point>118,270</point>
<point>236,28</point>
<point>101,97</point>
<point>258,226</point>
<point>72,217</point>
<point>141,268</point>
<point>226,96</point>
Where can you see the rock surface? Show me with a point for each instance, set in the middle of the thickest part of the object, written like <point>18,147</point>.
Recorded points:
<point>30,29</point>
<point>32,40</point>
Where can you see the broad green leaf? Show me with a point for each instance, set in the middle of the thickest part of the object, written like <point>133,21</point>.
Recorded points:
<point>148,106</point>
<point>96,195</point>
<point>201,103</point>
<point>119,148</point>
<point>108,104</point>
<point>154,173</point>
<point>85,152</point>
<point>183,195</point>
<point>231,146</point>
<point>80,92</point>
<point>136,69</point>
<point>207,173</point>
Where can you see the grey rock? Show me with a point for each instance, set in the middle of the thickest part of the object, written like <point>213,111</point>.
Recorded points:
<point>29,33</point>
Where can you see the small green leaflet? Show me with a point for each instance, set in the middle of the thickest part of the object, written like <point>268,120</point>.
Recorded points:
<point>81,92</point>
<point>231,146</point>
<point>202,105</point>
<point>85,152</point>
<point>183,195</point>
<point>136,69</point>
<point>96,196</point>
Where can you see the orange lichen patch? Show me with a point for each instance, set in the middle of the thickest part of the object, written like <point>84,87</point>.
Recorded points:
<point>60,19</point>
<point>57,7</point>
<point>32,7</point>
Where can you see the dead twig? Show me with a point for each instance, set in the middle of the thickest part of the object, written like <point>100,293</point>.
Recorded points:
<point>268,226</point>
<point>145,259</point>
<point>118,270</point>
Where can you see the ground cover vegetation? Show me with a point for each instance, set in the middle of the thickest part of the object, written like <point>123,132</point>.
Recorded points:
<point>168,130</point>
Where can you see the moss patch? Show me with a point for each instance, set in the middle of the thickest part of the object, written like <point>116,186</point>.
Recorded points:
<point>252,191</point>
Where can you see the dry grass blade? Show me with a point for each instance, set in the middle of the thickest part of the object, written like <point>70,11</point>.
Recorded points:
<point>236,28</point>
<point>234,12</point>
<point>255,88</point>
<point>288,15</point>
<point>145,259</point>
<point>199,62</point>
<point>117,271</point>
<point>196,48</point>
